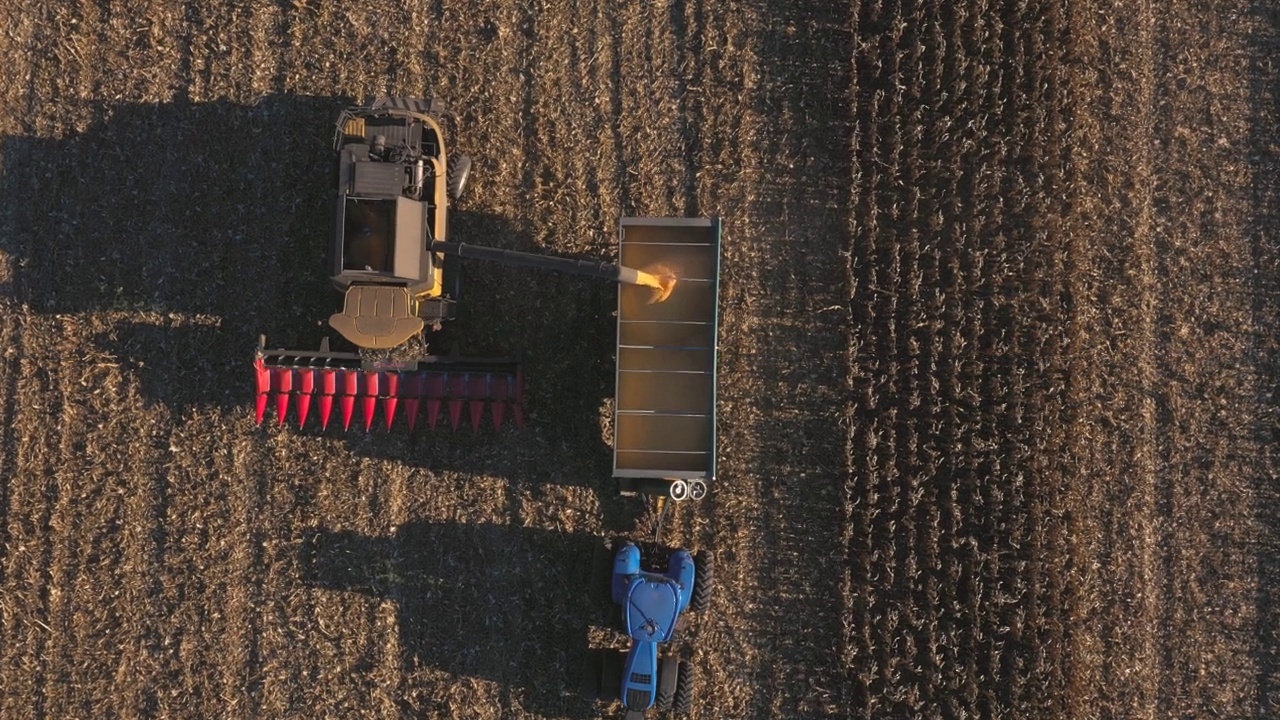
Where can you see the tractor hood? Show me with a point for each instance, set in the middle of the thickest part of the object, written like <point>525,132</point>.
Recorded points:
<point>653,605</point>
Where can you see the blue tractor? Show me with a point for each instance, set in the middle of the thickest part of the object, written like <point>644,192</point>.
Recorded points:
<point>652,606</point>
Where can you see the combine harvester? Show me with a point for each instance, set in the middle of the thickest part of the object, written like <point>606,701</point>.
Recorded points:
<point>395,267</point>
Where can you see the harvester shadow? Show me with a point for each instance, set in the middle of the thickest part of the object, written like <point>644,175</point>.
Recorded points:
<point>190,227</point>
<point>209,208</point>
<point>172,362</point>
<point>506,604</point>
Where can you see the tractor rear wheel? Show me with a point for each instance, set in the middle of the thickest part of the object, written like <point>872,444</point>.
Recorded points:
<point>668,678</point>
<point>704,580</point>
<point>459,171</point>
<point>683,701</point>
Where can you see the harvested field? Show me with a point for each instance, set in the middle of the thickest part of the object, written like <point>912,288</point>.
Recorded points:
<point>1001,293</point>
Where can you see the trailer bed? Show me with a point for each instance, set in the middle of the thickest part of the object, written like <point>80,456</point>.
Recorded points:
<point>665,405</point>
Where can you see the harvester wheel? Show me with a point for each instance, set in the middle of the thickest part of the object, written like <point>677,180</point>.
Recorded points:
<point>459,171</point>
<point>683,701</point>
<point>704,580</point>
<point>668,678</point>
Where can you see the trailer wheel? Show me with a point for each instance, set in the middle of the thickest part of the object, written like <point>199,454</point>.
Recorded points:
<point>683,701</point>
<point>697,490</point>
<point>704,580</point>
<point>459,171</point>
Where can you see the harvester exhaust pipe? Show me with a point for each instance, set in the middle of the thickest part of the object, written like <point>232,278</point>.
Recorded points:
<point>658,277</point>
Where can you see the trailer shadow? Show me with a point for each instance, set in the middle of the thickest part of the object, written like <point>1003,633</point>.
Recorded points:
<point>561,329</point>
<point>506,604</point>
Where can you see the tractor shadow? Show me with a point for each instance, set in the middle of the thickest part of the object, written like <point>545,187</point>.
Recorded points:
<point>508,604</point>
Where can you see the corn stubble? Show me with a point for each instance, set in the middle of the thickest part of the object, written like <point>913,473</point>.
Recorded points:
<point>997,367</point>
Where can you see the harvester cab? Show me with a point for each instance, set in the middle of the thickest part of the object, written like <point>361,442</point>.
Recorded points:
<point>652,605</point>
<point>395,181</point>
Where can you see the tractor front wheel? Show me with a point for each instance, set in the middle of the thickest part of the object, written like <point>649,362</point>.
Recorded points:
<point>601,571</point>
